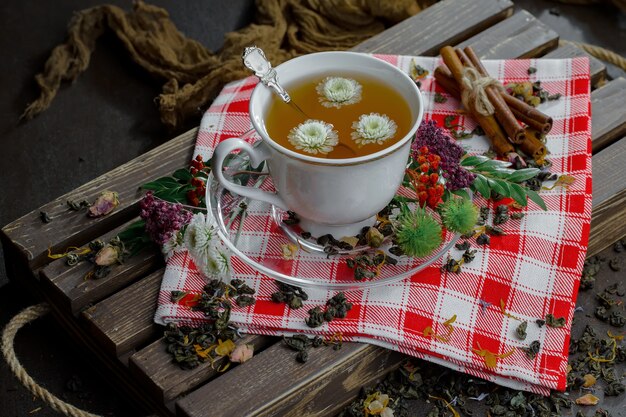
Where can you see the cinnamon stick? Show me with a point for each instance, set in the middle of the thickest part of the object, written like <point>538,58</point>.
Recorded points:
<point>492,129</point>
<point>532,146</point>
<point>504,115</point>
<point>527,114</point>
<point>523,111</point>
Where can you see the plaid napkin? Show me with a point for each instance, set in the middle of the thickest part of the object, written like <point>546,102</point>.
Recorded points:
<point>532,271</point>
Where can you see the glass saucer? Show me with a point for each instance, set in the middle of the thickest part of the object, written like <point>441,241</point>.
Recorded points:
<point>264,242</point>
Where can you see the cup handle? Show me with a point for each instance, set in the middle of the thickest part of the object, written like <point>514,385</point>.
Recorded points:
<point>257,155</point>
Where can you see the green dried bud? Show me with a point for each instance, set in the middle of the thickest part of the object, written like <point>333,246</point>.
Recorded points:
<point>459,215</point>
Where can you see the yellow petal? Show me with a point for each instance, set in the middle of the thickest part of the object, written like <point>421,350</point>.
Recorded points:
<point>587,399</point>
<point>224,348</point>
<point>590,380</point>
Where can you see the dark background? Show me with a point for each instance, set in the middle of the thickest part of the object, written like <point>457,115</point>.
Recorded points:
<point>106,118</point>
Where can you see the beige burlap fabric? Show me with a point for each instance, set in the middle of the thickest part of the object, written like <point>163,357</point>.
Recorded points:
<point>192,74</point>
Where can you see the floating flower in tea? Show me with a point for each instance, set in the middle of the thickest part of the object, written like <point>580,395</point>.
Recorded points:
<point>373,128</point>
<point>338,91</point>
<point>314,136</point>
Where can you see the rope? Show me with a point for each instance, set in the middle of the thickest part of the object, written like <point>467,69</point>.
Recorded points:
<point>8,336</point>
<point>474,91</point>
<point>600,53</point>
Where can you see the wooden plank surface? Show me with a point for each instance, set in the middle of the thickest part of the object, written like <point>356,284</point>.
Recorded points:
<point>597,68</point>
<point>124,321</point>
<point>73,290</point>
<point>608,109</point>
<point>274,383</point>
<point>520,36</point>
<point>33,237</point>
<point>152,367</point>
<point>444,23</point>
<point>608,217</point>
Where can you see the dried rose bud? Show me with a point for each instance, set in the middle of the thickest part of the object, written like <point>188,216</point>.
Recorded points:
<point>104,204</point>
<point>108,255</point>
<point>242,353</point>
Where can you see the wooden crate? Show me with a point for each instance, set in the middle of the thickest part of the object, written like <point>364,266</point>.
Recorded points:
<point>112,317</point>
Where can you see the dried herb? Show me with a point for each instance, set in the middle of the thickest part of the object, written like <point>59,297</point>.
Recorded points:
<point>439,98</point>
<point>44,217</point>
<point>77,205</point>
<point>520,331</point>
<point>532,350</point>
<point>417,72</point>
<point>483,215</point>
<point>502,214</point>
<point>615,264</point>
<point>465,245</point>
<point>336,307</point>
<point>590,270</point>
<point>290,294</point>
<point>555,322</point>
<point>292,219</point>
<point>483,239</point>
<point>517,215</point>
<point>531,70</point>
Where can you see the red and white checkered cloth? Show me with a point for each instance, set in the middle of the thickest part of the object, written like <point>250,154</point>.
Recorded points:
<point>532,271</point>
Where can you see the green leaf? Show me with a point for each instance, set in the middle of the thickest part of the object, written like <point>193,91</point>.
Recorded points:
<point>473,160</point>
<point>501,187</point>
<point>536,198</point>
<point>490,165</point>
<point>482,186</point>
<point>523,174</point>
<point>518,193</point>
<point>163,183</point>
<point>182,174</point>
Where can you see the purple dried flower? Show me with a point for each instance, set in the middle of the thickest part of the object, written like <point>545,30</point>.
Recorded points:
<point>163,219</point>
<point>437,142</point>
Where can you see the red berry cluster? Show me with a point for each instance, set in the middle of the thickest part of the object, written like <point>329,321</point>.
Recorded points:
<point>425,178</point>
<point>194,196</point>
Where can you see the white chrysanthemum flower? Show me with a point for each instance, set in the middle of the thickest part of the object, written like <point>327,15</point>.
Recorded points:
<point>373,128</point>
<point>338,91</point>
<point>174,244</point>
<point>201,234</point>
<point>217,262</point>
<point>314,136</point>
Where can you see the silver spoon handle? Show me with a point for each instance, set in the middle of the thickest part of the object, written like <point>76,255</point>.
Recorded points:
<point>255,60</point>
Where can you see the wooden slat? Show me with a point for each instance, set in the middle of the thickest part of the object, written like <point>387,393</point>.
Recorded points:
<point>597,68</point>
<point>73,291</point>
<point>124,321</point>
<point>32,237</point>
<point>608,109</point>
<point>444,23</point>
<point>153,368</point>
<point>274,383</point>
<point>520,36</point>
<point>608,217</point>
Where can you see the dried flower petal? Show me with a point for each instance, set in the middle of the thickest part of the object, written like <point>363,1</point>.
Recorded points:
<point>589,379</point>
<point>587,399</point>
<point>242,353</point>
<point>338,91</point>
<point>289,251</point>
<point>225,348</point>
<point>314,136</point>
<point>373,128</point>
<point>387,412</point>
<point>375,407</point>
<point>106,202</point>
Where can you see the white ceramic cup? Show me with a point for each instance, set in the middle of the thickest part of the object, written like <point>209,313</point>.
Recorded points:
<point>336,196</point>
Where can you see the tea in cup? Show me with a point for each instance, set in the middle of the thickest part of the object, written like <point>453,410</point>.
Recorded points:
<point>342,162</point>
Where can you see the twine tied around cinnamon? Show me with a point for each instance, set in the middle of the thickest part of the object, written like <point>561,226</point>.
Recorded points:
<point>474,94</point>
